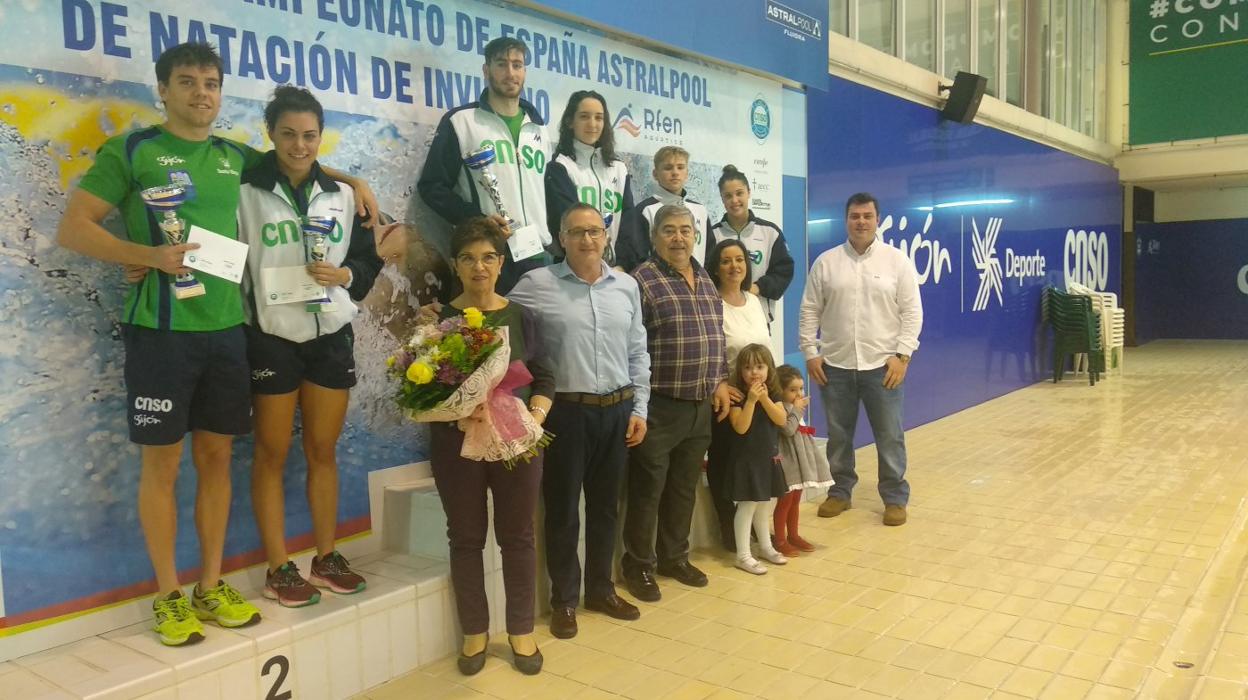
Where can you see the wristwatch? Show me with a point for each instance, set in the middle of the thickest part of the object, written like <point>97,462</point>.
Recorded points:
<point>905,359</point>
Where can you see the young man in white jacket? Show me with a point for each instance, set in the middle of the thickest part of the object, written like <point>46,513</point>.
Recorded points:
<point>512,125</point>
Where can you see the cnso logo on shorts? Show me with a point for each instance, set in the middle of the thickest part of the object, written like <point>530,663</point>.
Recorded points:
<point>144,403</point>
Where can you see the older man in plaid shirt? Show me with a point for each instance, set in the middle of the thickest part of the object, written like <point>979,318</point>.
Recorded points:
<point>684,320</point>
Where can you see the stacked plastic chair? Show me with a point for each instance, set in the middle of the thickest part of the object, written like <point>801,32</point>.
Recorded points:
<point>1113,323</point>
<point>1076,329</point>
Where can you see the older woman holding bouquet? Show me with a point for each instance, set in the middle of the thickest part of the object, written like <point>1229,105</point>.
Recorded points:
<point>477,251</point>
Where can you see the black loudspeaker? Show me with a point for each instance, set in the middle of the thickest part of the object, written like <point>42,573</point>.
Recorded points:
<point>964,96</point>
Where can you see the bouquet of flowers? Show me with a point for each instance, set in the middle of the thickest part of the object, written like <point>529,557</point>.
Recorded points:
<point>458,370</point>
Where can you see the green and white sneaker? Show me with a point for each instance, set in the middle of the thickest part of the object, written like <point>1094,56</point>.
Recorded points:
<point>224,606</point>
<point>176,623</point>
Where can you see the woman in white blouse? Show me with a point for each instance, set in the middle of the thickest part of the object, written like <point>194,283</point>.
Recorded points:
<point>745,322</point>
<point>745,319</point>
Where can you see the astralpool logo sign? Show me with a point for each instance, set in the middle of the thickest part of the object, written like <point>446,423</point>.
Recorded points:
<point>797,25</point>
<point>760,119</point>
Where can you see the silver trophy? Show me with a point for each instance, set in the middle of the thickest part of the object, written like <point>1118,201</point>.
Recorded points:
<point>608,252</point>
<point>316,230</point>
<point>164,201</point>
<point>479,161</point>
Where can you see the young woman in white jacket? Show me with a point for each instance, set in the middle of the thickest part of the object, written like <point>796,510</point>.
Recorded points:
<point>301,354</point>
<point>586,169</point>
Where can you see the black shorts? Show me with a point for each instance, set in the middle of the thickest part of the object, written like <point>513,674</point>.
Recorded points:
<point>279,366</point>
<point>178,381</point>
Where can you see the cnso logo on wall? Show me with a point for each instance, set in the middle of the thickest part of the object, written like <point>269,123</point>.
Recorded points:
<point>760,119</point>
<point>1242,279</point>
<point>1085,258</point>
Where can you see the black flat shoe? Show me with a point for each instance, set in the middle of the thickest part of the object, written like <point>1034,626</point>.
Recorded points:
<point>684,572</point>
<point>642,586</point>
<point>529,665</point>
<point>472,665</point>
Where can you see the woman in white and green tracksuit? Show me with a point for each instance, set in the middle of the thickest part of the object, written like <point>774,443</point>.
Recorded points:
<point>586,169</point>
<point>301,354</point>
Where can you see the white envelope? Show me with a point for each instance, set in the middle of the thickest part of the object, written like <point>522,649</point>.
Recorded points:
<point>217,255</point>
<point>285,285</point>
<point>525,242</point>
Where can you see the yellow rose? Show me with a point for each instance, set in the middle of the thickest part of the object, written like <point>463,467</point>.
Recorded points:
<point>473,317</point>
<point>419,373</point>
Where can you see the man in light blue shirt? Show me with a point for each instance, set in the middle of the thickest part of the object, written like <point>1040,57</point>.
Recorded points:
<point>589,317</point>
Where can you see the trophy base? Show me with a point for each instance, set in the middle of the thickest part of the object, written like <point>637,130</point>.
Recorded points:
<point>188,291</point>
<point>314,307</point>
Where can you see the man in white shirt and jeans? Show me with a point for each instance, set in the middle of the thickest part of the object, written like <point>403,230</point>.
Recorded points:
<point>858,326</point>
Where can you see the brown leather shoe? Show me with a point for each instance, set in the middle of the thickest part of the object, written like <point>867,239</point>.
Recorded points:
<point>613,606</point>
<point>563,622</point>
<point>833,507</point>
<point>894,515</point>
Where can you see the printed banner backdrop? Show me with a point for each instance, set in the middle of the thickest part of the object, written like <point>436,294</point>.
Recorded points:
<point>1191,280</point>
<point>988,219</point>
<point>81,71</point>
<point>1188,59</point>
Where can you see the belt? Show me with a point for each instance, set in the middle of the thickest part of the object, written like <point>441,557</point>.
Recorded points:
<point>603,400</point>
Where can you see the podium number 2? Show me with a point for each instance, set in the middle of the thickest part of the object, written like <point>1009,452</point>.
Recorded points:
<point>283,668</point>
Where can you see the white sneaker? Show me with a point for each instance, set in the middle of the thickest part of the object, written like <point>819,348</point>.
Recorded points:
<point>751,565</point>
<point>775,557</point>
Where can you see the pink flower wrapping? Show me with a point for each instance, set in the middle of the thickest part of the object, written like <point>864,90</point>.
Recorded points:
<point>497,427</point>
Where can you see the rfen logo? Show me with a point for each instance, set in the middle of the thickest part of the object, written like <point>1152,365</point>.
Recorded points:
<point>624,120</point>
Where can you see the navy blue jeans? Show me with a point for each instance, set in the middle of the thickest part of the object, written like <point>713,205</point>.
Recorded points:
<point>588,454</point>
<point>846,388</point>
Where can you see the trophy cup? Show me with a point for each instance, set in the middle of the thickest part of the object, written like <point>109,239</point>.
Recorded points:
<point>165,200</point>
<point>608,252</point>
<point>479,161</point>
<point>316,230</point>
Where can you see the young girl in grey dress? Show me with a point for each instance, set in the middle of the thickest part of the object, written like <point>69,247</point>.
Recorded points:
<point>804,465</point>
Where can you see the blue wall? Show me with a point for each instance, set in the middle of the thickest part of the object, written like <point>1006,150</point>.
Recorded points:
<point>970,180</point>
<point>1192,280</point>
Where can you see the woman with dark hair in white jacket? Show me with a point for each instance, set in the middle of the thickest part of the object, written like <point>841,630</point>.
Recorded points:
<point>301,351</point>
<point>586,169</point>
